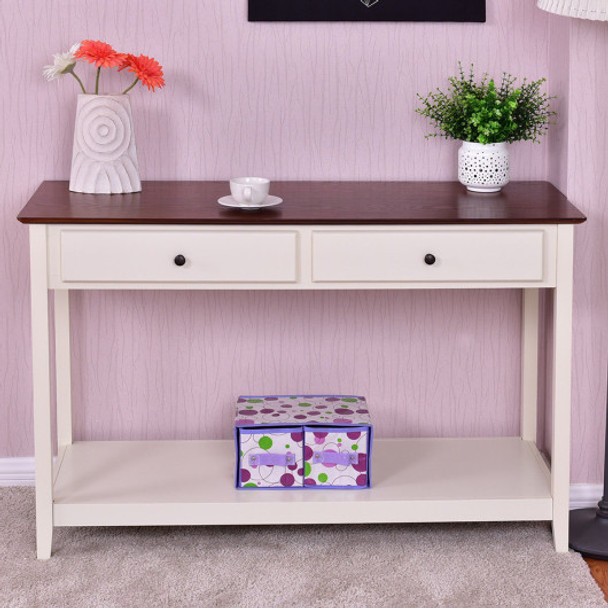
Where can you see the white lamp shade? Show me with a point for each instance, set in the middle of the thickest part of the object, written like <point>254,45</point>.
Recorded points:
<point>582,9</point>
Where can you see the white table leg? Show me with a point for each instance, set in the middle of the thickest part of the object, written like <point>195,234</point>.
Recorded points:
<point>529,364</point>
<point>63,367</point>
<point>562,386</point>
<point>42,390</point>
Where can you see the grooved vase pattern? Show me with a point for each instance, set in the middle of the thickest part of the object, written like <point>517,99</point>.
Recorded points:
<point>483,167</point>
<point>104,158</point>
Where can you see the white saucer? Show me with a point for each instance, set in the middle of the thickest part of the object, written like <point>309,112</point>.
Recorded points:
<point>269,201</point>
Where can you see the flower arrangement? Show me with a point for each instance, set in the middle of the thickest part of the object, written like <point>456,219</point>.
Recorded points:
<point>146,69</point>
<point>483,113</point>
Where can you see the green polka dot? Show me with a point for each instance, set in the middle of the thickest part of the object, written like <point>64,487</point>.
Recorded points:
<point>287,446</point>
<point>265,443</point>
<point>250,485</point>
<point>254,400</point>
<point>249,407</point>
<point>355,446</point>
<point>304,404</point>
<point>339,440</point>
<point>323,477</point>
<point>241,453</point>
<point>307,469</point>
<point>350,400</point>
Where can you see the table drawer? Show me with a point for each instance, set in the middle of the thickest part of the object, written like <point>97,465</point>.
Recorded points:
<point>150,255</point>
<point>399,256</point>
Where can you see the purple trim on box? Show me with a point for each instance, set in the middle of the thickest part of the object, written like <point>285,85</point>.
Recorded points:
<point>344,458</point>
<point>329,427</point>
<point>298,395</point>
<point>262,429</point>
<point>370,444</point>
<point>237,451</point>
<point>326,488</point>
<point>276,488</point>
<point>265,459</point>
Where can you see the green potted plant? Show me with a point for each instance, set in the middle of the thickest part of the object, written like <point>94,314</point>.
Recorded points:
<point>486,117</point>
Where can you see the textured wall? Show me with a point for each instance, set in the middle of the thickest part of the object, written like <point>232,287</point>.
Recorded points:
<point>419,355</point>
<point>587,187</point>
<point>558,83</point>
<point>292,101</point>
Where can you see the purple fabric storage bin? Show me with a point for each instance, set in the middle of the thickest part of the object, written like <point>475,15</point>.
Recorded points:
<point>303,441</point>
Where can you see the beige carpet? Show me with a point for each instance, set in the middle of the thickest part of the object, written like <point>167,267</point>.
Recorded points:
<point>419,566</point>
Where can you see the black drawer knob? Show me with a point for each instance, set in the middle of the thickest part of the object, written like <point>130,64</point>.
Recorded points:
<point>179,260</point>
<point>429,259</point>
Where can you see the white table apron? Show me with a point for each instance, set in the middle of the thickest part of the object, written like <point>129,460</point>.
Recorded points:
<point>509,479</point>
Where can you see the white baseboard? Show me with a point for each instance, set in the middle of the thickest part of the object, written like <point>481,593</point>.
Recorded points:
<point>583,495</point>
<point>17,471</point>
<point>20,472</point>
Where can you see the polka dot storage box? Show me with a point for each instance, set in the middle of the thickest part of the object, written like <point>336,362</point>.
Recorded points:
<point>303,441</point>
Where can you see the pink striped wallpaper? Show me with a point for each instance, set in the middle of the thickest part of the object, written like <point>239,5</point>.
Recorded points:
<point>588,187</point>
<point>290,101</point>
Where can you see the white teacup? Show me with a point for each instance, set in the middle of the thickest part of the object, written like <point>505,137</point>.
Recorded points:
<point>249,190</point>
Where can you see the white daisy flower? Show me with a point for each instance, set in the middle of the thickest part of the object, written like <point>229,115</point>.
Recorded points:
<point>63,63</point>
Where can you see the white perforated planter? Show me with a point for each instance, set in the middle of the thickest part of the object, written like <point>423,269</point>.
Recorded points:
<point>483,167</point>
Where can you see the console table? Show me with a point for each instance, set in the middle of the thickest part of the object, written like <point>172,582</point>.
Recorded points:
<point>326,235</point>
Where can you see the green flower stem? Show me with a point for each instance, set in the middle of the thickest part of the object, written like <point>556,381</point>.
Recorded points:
<point>79,81</point>
<point>131,86</point>
<point>97,81</point>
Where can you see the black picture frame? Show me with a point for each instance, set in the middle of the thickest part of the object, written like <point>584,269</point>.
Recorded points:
<point>368,10</point>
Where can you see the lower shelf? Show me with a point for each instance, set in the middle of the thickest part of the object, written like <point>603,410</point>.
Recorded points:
<point>192,482</point>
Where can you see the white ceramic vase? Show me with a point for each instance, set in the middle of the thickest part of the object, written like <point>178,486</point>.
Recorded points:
<point>483,167</point>
<point>104,158</point>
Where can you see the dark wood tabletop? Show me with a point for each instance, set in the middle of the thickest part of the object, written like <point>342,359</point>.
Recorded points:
<point>195,202</point>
